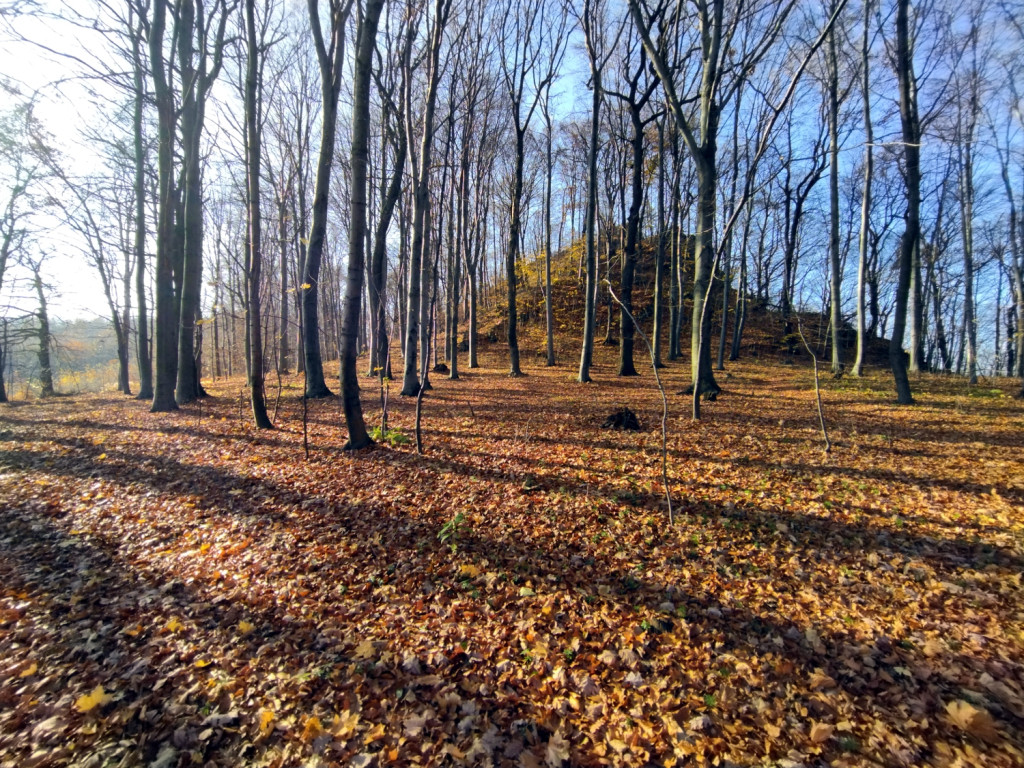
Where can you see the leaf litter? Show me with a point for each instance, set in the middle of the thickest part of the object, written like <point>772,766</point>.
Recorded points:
<point>181,590</point>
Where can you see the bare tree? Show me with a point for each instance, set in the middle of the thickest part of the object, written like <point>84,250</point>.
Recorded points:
<point>366,36</point>
<point>531,45</point>
<point>330,55</point>
<point>253,121</point>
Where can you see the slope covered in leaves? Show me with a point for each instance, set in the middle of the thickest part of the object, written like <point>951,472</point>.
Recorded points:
<point>180,590</point>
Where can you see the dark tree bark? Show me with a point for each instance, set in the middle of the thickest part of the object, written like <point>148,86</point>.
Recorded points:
<point>254,255</point>
<point>166,323</point>
<point>330,57</point>
<point>366,36</point>
<point>911,234</point>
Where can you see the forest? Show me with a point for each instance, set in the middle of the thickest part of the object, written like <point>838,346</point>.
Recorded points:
<point>511,383</point>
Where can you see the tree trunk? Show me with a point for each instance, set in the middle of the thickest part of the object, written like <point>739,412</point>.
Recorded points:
<point>330,59</point>
<point>145,362</point>
<point>45,366</point>
<point>911,235</point>
<point>366,36</point>
<point>166,325</point>
<point>512,253</point>
<point>590,227</point>
<point>865,206</point>
<point>252,135</point>
<point>833,194</point>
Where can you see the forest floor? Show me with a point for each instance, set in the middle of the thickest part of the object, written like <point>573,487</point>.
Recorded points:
<point>179,589</point>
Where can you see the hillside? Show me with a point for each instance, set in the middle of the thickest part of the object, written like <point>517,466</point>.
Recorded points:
<point>764,334</point>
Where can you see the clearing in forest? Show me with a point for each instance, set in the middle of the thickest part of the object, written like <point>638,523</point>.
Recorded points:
<point>182,590</point>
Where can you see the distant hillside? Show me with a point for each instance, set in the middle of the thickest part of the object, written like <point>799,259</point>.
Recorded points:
<point>764,333</point>
<point>84,354</point>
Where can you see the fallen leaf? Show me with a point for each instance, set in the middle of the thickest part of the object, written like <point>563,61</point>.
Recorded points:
<point>245,627</point>
<point>975,721</point>
<point>365,650</point>
<point>90,701</point>
<point>266,721</point>
<point>821,732</point>
<point>29,670</point>
<point>557,751</point>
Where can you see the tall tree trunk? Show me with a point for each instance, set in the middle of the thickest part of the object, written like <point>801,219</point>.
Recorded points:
<point>366,36</point>
<point>45,366</point>
<point>166,326</point>
<point>833,195</point>
<point>512,253</point>
<point>549,315</point>
<point>912,154</point>
<point>628,271</point>
<point>659,264</point>
<point>865,204</point>
<point>145,362</point>
<point>254,255</point>
<point>415,306</point>
<point>330,58</point>
<point>282,244</point>
<point>590,227</point>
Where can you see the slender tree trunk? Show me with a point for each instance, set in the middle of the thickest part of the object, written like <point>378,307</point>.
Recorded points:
<point>166,326</point>
<point>145,362</point>
<point>628,271</point>
<point>833,194</point>
<point>415,307</point>
<point>865,205</point>
<point>512,253</point>
<point>659,264</point>
<point>366,36</point>
<point>330,59</point>
<point>282,244</point>
<point>911,235</point>
<point>254,255</point>
<point>549,316</point>
<point>590,235</point>
<point>45,366</point>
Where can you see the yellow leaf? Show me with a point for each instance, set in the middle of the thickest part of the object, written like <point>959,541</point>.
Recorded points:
<point>365,650</point>
<point>306,286</point>
<point>312,729</point>
<point>203,548</point>
<point>375,734</point>
<point>133,631</point>
<point>245,627</point>
<point>202,663</point>
<point>173,625</point>
<point>470,570</point>
<point>977,722</point>
<point>101,457</point>
<point>821,681</point>
<point>266,721</point>
<point>92,700</point>
<point>820,732</point>
<point>29,670</point>
<point>345,724</point>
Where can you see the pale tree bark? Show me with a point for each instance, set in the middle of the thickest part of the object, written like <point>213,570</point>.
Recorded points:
<point>832,70</point>
<point>865,204</point>
<point>967,134</point>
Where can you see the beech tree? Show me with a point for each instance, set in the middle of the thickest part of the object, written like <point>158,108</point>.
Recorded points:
<point>366,35</point>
